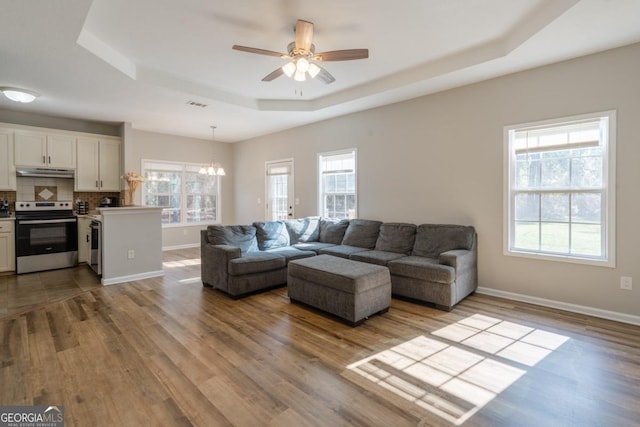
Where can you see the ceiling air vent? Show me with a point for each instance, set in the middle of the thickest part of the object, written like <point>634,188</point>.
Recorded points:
<point>196,104</point>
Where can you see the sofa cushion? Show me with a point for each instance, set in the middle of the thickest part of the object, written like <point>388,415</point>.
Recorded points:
<point>427,269</point>
<point>375,257</point>
<point>303,230</point>
<point>342,251</point>
<point>312,246</point>
<point>271,234</point>
<point>241,236</point>
<point>433,239</point>
<point>256,262</point>
<point>362,233</point>
<point>396,237</point>
<point>332,230</point>
<point>290,253</point>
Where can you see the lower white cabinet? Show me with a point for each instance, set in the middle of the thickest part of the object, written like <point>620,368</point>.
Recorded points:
<point>7,246</point>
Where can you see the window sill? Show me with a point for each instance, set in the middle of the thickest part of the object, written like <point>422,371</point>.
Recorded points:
<point>610,263</point>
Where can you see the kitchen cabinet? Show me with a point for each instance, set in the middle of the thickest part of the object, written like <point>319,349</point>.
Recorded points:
<point>7,246</point>
<point>39,149</point>
<point>83,238</point>
<point>98,164</point>
<point>7,168</point>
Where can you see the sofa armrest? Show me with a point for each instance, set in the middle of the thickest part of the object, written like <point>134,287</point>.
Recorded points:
<point>466,266</point>
<point>456,257</point>
<point>214,262</point>
<point>227,251</point>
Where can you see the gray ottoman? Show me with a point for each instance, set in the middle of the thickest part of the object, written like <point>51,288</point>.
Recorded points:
<point>351,290</point>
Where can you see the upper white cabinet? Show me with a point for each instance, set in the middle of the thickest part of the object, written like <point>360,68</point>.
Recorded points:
<point>45,150</point>
<point>7,168</point>
<point>98,164</point>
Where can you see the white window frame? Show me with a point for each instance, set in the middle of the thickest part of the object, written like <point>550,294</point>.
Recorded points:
<point>183,194</point>
<point>353,151</point>
<point>608,191</point>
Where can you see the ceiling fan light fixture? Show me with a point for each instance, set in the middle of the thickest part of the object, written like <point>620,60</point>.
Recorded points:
<point>313,70</point>
<point>289,68</point>
<point>19,95</point>
<point>299,76</point>
<point>302,65</point>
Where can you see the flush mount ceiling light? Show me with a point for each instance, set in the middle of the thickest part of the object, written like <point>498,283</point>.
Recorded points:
<point>19,95</point>
<point>214,168</point>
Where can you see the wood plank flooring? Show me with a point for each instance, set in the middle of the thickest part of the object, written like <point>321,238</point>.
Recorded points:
<point>167,351</point>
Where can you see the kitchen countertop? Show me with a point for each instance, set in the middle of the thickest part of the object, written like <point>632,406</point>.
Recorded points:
<point>95,217</point>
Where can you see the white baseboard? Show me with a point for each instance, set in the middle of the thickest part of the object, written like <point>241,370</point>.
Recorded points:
<point>582,309</point>
<point>132,277</point>
<point>176,247</point>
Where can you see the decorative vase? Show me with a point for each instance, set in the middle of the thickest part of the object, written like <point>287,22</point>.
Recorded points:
<point>130,193</point>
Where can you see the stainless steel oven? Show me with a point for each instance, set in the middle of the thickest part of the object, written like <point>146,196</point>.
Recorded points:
<point>46,236</point>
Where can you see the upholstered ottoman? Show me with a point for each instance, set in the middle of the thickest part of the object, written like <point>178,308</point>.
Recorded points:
<point>351,290</point>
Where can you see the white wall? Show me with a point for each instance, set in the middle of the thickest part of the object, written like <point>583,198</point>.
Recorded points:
<point>439,159</point>
<point>148,145</point>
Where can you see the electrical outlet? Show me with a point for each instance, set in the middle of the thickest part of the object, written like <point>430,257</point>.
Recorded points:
<point>185,232</point>
<point>131,254</point>
<point>626,283</point>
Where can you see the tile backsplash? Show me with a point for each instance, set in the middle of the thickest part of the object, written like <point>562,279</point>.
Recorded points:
<point>27,188</point>
<point>63,191</point>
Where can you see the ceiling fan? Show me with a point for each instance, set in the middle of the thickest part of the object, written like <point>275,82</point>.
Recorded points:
<point>303,57</point>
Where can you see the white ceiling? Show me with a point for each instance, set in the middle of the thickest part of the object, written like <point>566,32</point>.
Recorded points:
<point>141,61</point>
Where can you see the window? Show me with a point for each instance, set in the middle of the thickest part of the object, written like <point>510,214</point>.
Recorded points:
<point>338,195</point>
<point>560,189</point>
<point>187,196</point>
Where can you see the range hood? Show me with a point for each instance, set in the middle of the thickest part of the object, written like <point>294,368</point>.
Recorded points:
<point>45,173</point>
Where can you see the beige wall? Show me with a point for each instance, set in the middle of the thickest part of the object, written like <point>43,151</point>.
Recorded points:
<point>439,159</point>
<point>148,145</point>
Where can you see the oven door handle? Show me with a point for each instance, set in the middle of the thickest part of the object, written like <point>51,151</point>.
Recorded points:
<point>46,221</point>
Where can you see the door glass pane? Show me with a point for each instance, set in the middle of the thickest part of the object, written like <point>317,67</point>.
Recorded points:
<point>279,191</point>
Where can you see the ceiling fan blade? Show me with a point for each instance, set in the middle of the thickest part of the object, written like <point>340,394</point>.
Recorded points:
<point>325,77</point>
<point>259,51</point>
<point>304,35</point>
<point>342,55</point>
<point>274,75</point>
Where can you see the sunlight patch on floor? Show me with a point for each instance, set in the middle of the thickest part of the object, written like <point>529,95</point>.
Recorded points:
<point>462,367</point>
<point>190,280</point>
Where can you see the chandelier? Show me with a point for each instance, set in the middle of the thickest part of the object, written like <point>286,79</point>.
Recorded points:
<point>214,168</point>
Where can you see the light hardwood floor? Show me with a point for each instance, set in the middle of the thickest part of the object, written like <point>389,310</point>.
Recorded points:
<point>167,351</point>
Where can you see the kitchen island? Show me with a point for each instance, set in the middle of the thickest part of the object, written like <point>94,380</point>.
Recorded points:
<point>131,243</point>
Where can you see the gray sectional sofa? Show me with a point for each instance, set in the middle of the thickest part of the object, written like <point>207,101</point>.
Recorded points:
<point>433,263</point>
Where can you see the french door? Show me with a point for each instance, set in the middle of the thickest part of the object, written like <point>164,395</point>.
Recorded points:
<point>279,190</point>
